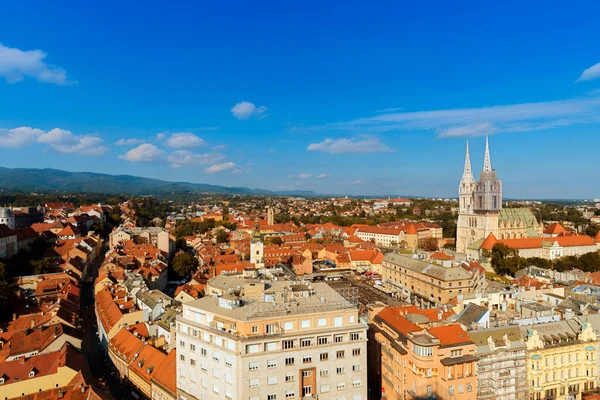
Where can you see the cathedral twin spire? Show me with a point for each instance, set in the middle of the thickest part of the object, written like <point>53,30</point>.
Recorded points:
<point>487,162</point>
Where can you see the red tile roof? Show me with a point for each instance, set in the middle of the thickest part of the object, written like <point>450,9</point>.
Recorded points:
<point>450,335</point>
<point>393,316</point>
<point>165,374</point>
<point>554,229</point>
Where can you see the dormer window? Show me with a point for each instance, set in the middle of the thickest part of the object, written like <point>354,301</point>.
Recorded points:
<point>31,374</point>
<point>2,381</point>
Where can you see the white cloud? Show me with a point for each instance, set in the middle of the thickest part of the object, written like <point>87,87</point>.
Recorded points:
<point>160,136</point>
<point>478,121</point>
<point>145,152</point>
<point>364,144</point>
<point>60,140</point>
<point>16,64</point>
<point>17,138</point>
<point>301,176</point>
<point>213,169</point>
<point>388,110</point>
<point>245,110</point>
<point>56,136</point>
<point>359,182</point>
<point>592,72</point>
<point>270,151</point>
<point>185,158</point>
<point>322,176</point>
<point>83,145</point>
<point>129,142</point>
<point>184,140</point>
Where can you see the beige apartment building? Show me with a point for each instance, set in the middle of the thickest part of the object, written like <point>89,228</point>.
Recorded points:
<point>430,284</point>
<point>271,340</point>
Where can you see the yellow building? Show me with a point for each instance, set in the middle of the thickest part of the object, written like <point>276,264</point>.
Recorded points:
<point>561,359</point>
<point>430,284</point>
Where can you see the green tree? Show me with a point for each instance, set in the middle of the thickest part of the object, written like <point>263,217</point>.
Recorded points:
<point>275,240</point>
<point>221,236</point>
<point>184,264</point>
<point>505,260</point>
<point>8,300</point>
<point>44,266</point>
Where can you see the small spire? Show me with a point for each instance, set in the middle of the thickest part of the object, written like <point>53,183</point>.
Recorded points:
<point>487,162</point>
<point>467,174</point>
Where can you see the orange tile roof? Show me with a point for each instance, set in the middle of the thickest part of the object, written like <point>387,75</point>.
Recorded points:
<point>42,365</point>
<point>107,310</point>
<point>125,344</point>
<point>554,229</point>
<point>147,363</point>
<point>450,335</point>
<point>165,374</point>
<point>438,255</point>
<point>597,237</point>
<point>489,242</point>
<point>38,339</point>
<point>412,230</point>
<point>393,316</point>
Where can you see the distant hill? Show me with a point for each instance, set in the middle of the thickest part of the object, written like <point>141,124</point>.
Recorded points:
<point>54,180</point>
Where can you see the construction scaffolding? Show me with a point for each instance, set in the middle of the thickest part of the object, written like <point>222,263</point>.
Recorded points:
<point>502,376</point>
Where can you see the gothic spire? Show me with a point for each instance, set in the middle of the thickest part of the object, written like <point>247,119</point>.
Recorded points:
<point>487,162</point>
<point>467,174</point>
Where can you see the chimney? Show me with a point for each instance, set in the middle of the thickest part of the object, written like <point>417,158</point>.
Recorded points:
<point>14,316</point>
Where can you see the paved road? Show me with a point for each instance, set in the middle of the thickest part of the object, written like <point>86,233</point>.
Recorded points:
<point>100,366</point>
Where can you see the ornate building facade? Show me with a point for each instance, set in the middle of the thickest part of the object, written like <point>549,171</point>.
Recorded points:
<point>480,208</point>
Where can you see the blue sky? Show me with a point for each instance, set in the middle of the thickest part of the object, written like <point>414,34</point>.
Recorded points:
<point>342,97</point>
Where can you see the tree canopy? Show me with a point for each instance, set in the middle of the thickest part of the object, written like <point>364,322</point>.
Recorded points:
<point>184,264</point>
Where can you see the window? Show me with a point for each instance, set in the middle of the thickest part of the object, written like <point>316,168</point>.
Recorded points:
<point>307,359</point>
<point>272,380</point>
<point>321,322</point>
<point>290,377</point>
<point>451,391</point>
<point>272,396</point>
<point>322,340</point>
<point>192,362</point>
<point>341,385</point>
<point>254,328</point>
<point>182,344</point>
<point>337,321</point>
<point>338,338</point>
<point>289,361</point>
<point>193,347</point>
<point>357,367</point>
<point>461,388</point>
<point>340,370</point>
<point>352,319</point>
<point>253,366</point>
<point>289,394</point>
<point>356,383</point>
<point>324,388</point>
<point>305,323</point>
<point>271,363</point>
<point>288,325</point>
<point>340,354</point>
<point>304,342</point>
<point>355,336</point>
<point>287,344</point>
<point>456,353</point>
<point>215,389</point>
<point>324,356</point>
<point>324,372</point>
<point>422,351</point>
<point>306,374</point>
<point>429,373</point>
<point>181,357</point>
<point>271,328</point>
<point>216,357</point>
<point>271,346</point>
<point>253,383</point>
<point>203,352</point>
<point>252,348</point>
<point>469,387</point>
<point>228,361</point>
<point>356,352</point>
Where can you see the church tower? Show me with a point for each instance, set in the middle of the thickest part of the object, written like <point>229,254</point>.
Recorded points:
<point>467,186</point>
<point>488,190</point>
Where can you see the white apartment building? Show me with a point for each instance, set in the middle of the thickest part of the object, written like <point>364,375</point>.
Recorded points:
<point>271,340</point>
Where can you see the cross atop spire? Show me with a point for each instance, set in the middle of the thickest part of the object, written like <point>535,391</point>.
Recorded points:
<point>467,174</point>
<point>487,162</point>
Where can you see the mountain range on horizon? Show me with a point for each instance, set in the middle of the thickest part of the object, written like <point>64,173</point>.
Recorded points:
<point>54,180</point>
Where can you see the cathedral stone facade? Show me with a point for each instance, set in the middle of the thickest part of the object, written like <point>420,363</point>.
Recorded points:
<point>480,209</point>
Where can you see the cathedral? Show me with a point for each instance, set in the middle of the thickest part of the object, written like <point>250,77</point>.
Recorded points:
<point>480,209</point>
